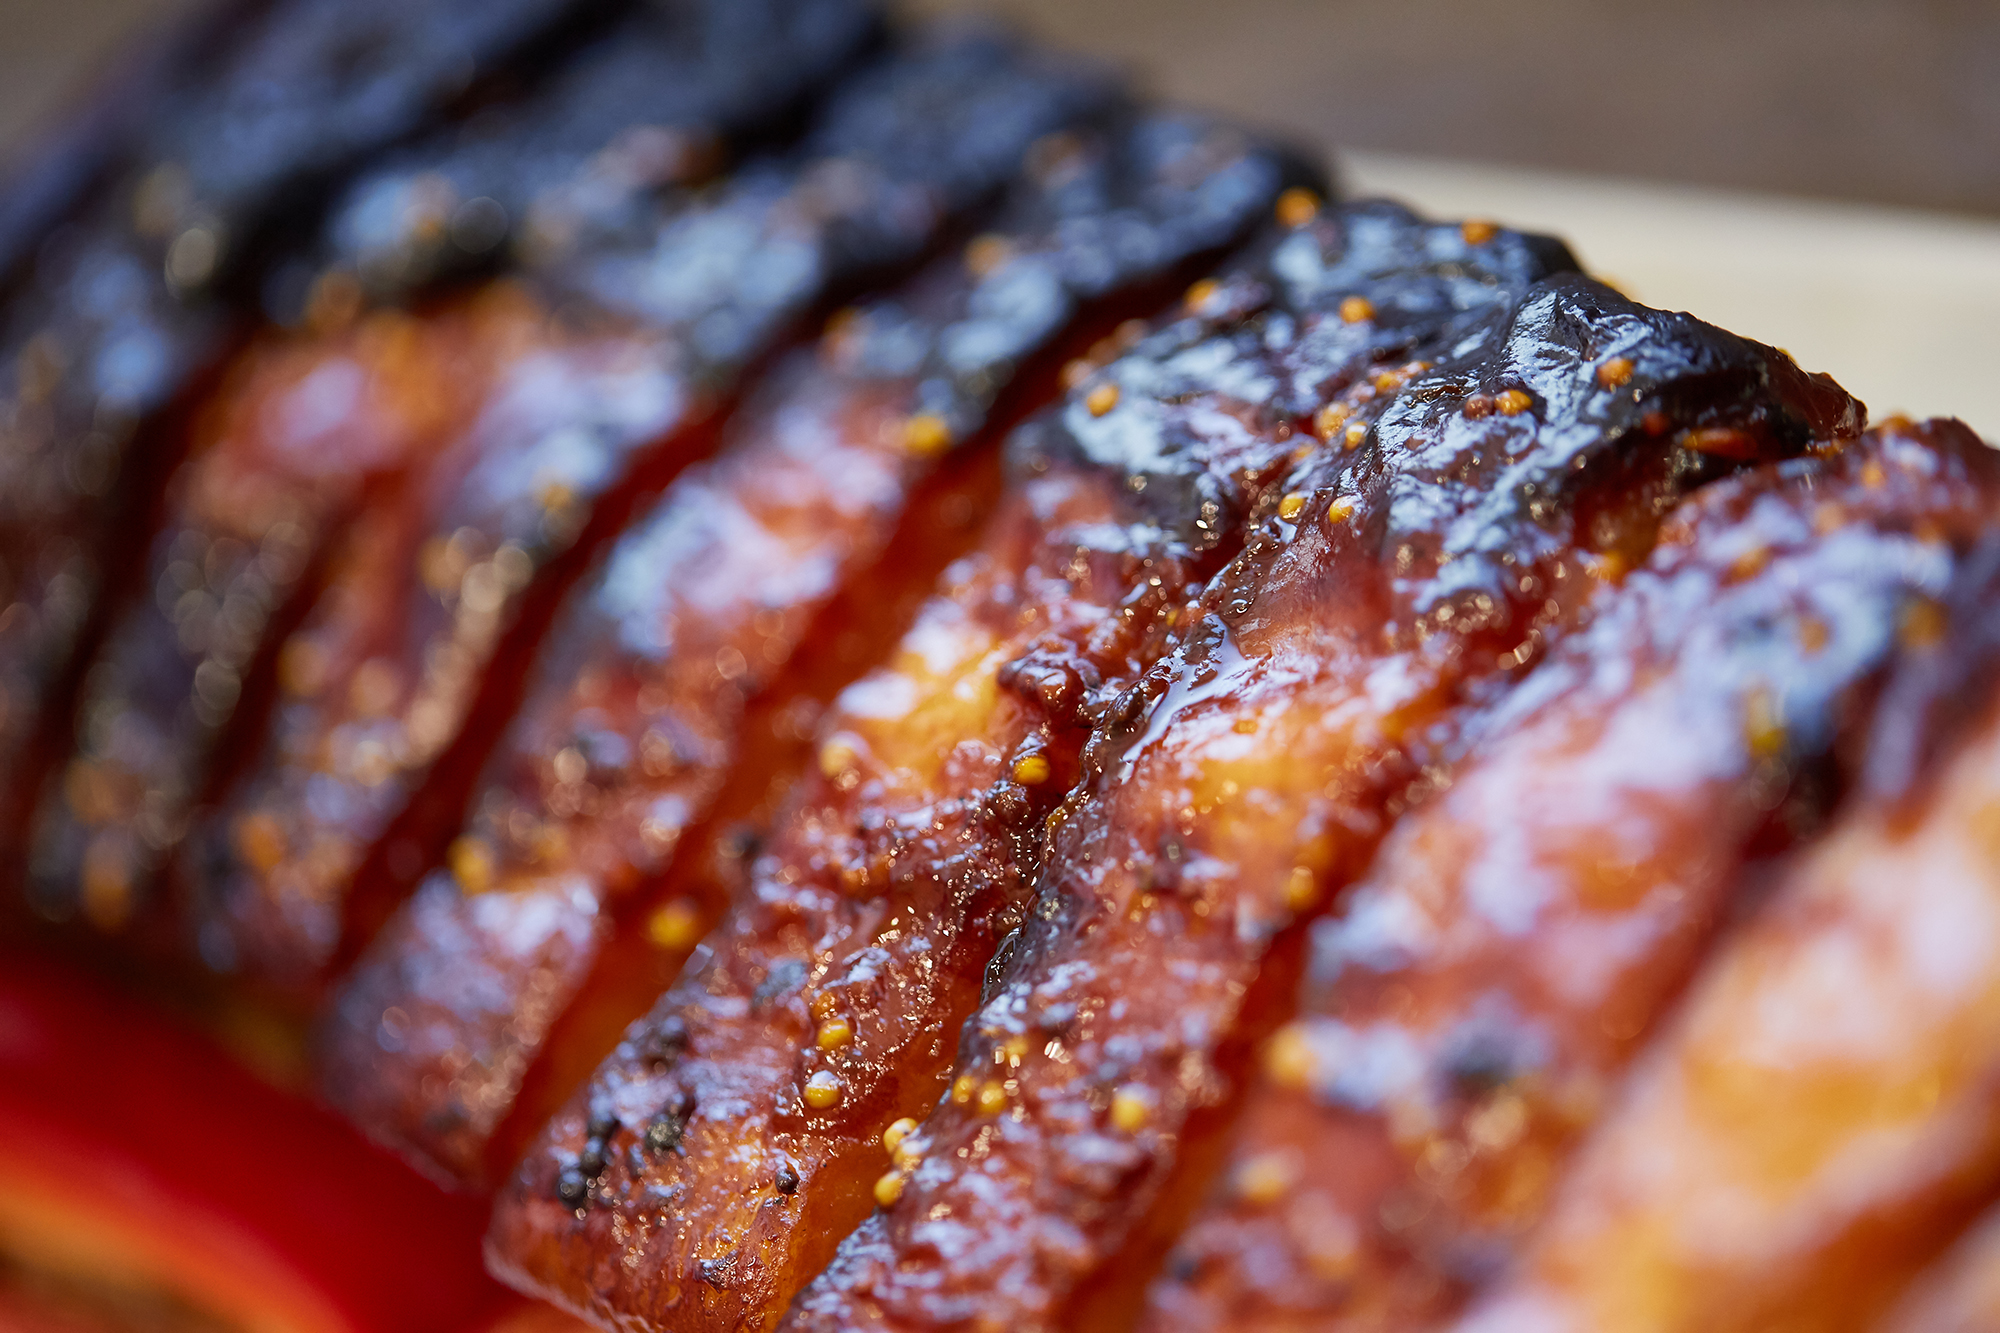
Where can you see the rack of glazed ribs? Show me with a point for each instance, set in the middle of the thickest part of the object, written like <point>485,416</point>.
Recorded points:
<point>858,682</point>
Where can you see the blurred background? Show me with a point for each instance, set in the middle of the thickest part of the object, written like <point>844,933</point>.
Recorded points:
<point>1821,174</point>
<point>1888,101</point>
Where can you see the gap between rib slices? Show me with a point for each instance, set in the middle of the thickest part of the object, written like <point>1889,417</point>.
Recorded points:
<point>1383,599</point>
<point>300,433</point>
<point>416,652</point>
<point>301,438</point>
<point>1464,1018</point>
<point>759,586</point>
<point>1819,1120</point>
<point>116,324</point>
<point>735,1135</point>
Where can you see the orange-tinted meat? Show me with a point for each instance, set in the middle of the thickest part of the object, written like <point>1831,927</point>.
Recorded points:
<point>892,875</point>
<point>300,433</point>
<point>1957,1293</point>
<point>623,749</point>
<point>735,1136</point>
<point>125,327</point>
<point>376,682</point>
<point>1518,935</point>
<point>406,668</point>
<point>97,357</point>
<point>1254,774</point>
<point>1400,556</point>
<point>1819,1120</point>
<point>616,757</point>
<point>114,321</point>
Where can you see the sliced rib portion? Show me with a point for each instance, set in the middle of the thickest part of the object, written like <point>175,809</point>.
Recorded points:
<point>715,604</point>
<point>666,99</point>
<point>1820,1118</point>
<point>299,436</point>
<point>292,442</point>
<point>1518,935</point>
<point>114,329</point>
<point>736,1134</point>
<point>310,89</point>
<point>417,648</point>
<point>1254,773</point>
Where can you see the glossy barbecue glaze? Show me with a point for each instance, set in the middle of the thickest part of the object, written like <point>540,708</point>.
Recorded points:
<point>660,103</point>
<point>300,434</point>
<point>462,568</point>
<point>871,921</point>
<point>111,335</point>
<point>704,605</point>
<point>1465,1017</point>
<point>305,92</point>
<point>97,350</point>
<point>892,875</point>
<point>1375,561</point>
<point>1254,772</point>
<point>381,675</point>
<point>1819,1120</point>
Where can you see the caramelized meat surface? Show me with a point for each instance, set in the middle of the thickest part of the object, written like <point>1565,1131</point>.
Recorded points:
<point>823,1012</point>
<point>1818,1121</point>
<point>307,91</point>
<point>643,566</point>
<point>1478,996</point>
<point>660,103</point>
<point>97,350</point>
<point>146,728</point>
<point>383,672</point>
<point>1252,774</point>
<point>301,434</point>
<point>645,698</point>
<point>754,1094</point>
<point>110,336</point>
<point>464,569</point>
